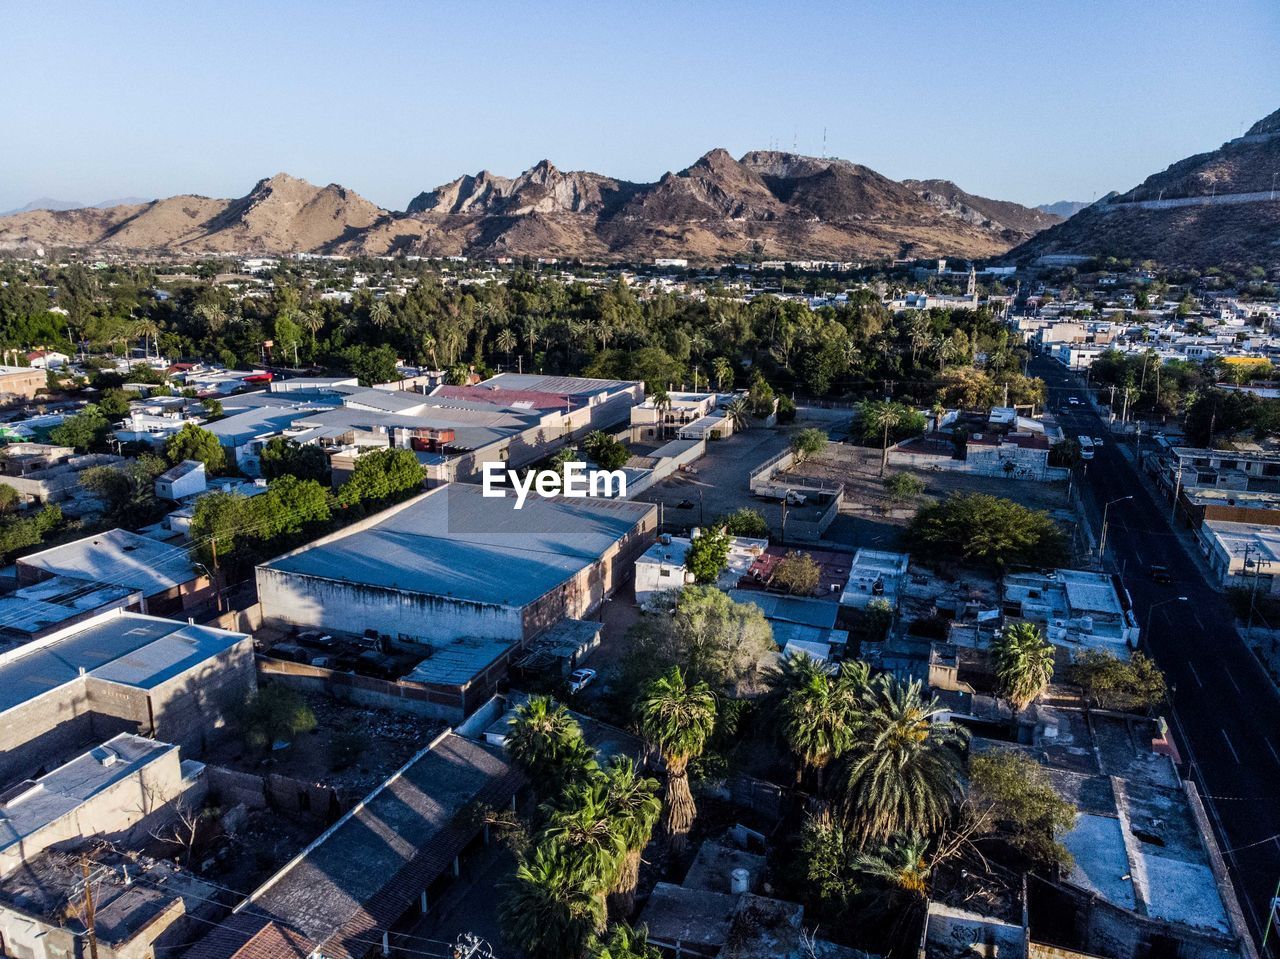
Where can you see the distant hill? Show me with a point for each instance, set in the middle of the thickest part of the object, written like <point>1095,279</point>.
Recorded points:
<point>44,203</point>
<point>1220,208</point>
<point>779,205</point>
<point>1065,209</point>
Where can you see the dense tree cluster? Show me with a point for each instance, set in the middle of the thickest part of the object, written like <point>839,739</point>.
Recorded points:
<point>978,528</point>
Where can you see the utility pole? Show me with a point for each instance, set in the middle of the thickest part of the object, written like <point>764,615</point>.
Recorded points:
<point>90,931</point>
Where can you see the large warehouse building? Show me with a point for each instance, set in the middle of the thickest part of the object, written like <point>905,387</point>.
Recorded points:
<point>451,563</point>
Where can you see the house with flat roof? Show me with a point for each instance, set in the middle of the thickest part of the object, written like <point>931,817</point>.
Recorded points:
<point>118,672</point>
<point>1078,609</point>
<point>104,792</point>
<point>165,576</point>
<point>1242,555</point>
<point>453,563</point>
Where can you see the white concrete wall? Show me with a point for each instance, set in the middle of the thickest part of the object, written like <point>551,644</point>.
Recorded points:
<point>315,601</point>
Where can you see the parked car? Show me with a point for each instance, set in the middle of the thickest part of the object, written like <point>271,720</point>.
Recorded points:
<point>291,652</point>
<point>325,662</point>
<point>317,638</point>
<point>1160,573</point>
<point>1097,441</point>
<point>579,679</point>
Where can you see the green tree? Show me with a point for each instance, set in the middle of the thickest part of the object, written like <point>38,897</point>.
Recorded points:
<point>978,528</point>
<point>552,907</point>
<point>737,411</point>
<point>807,443</point>
<point>677,718</point>
<point>371,366</point>
<point>825,853</point>
<point>634,808</point>
<point>1133,685</point>
<point>1023,661</point>
<point>193,443</point>
<point>274,714</point>
<point>797,573</point>
<point>904,487</point>
<point>717,639</point>
<point>902,774</point>
<point>382,476</point>
<point>114,403</point>
<point>583,828</point>
<point>623,942</point>
<point>884,423</point>
<point>284,457</point>
<point>83,431</point>
<point>1011,798</point>
<point>707,555</point>
<point>9,498</point>
<point>745,521</point>
<point>819,714</point>
<point>546,743</point>
<point>606,451</point>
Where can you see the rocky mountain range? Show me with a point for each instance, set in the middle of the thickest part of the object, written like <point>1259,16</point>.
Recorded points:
<point>772,204</point>
<point>1220,208</point>
<point>1063,208</point>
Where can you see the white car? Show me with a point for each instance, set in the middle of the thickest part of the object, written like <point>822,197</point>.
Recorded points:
<point>1097,441</point>
<point>579,679</point>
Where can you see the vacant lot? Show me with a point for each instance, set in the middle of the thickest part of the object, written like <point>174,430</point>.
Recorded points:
<point>870,517</point>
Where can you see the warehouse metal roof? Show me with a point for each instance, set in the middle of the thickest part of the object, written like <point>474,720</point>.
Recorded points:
<point>128,649</point>
<point>120,558</point>
<point>454,542</point>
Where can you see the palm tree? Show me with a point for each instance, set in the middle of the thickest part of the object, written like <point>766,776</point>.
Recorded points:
<point>722,369</point>
<point>506,342</point>
<point>819,716</point>
<point>902,773</point>
<point>883,418</point>
<point>429,349</point>
<point>678,719</point>
<point>213,318</point>
<point>459,374</point>
<point>379,313</point>
<point>312,322</point>
<point>552,908</point>
<point>546,742</point>
<point>634,807</point>
<point>531,329</point>
<point>623,942</point>
<point>1023,662</point>
<point>737,412</point>
<point>580,823</point>
<point>145,330</point>
<point>901,863</point>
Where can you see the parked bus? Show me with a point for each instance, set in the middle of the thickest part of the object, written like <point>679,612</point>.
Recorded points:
<point>1086,447</point>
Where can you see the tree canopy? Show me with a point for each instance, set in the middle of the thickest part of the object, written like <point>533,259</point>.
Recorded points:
<point>978,528</point>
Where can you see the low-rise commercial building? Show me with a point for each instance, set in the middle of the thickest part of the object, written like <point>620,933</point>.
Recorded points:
<point>453,563</point>
<point>119,672</point>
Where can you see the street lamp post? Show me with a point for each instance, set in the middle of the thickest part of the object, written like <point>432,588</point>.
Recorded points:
<point>1102,538</point>
<point>1151,609</point>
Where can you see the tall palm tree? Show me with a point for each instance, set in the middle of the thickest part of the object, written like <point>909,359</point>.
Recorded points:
<point>883,417</point>
<point>429,349</point>
<point>1023,661</point>
<point>634,807</point>
<point>552,907</point>
<point>506,342</point>
<point>902,773</point>
<point>312,322</point>
<point>819,716</point>
<point>213,318</point>
<point>145,330</point>
<point>380,313</point>
<point>722,369</point>
<point>546,742</point>
<point>678,719</point>
<point>582,825</point>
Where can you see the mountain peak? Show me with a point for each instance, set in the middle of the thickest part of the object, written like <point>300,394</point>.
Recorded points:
<point>1267,125</point>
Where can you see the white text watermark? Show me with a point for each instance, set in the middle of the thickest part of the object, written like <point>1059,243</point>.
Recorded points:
<point>577,482</point>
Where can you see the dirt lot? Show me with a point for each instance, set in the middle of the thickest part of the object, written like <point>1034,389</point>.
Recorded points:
<point>869,517</point>
<point>352,748</point>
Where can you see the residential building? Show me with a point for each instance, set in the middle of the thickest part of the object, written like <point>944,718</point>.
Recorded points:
<point>875,575</point>
<point>185,479</point>
<point>1242,555</point>
<point>1078,609</point>
<point>21,383</point>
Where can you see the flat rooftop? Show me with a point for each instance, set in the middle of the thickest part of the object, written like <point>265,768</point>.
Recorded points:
<point>120,558</point>
<point>1262,542</point>
<point>454,542</point>
<point>459,662</point>
<point>55,600</point>
<point>28,808</point>
<point>128,649</point>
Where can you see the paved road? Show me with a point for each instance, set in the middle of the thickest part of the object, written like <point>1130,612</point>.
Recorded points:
<point>1226,712</point>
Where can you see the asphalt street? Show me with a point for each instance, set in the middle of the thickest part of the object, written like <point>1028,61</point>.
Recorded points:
<point>1226,710</point>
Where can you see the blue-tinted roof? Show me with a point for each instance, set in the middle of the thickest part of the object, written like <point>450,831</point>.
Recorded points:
<point>128,649</point>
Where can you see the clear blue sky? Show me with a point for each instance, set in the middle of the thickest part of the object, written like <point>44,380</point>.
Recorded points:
<point>1029,100</point>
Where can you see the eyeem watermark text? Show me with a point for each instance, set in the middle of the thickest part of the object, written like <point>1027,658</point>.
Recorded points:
<point>578,482</point>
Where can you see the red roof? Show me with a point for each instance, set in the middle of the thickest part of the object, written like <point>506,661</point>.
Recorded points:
<point>497,396</point>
